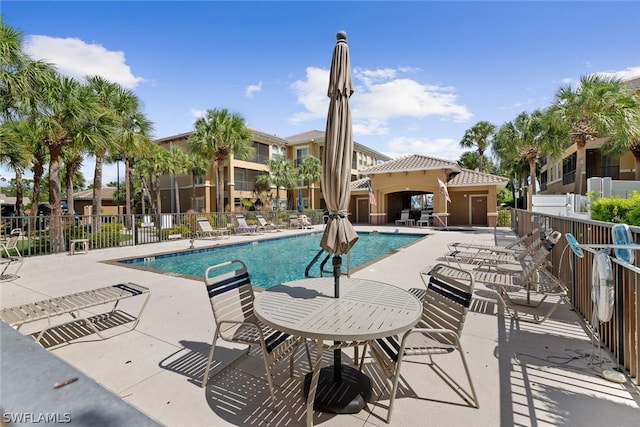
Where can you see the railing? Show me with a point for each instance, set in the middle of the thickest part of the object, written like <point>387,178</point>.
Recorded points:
<point>107,231</point>
<point>569,177</point>
<point>608,171</point>
<point>621,335</point>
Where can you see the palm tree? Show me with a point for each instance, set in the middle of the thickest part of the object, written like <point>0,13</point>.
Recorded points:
<point>177,166</point>
<point>20,77</point>
<point>599,107</point>
<point>218,136</point>
<point>479,135</point>
<point>471,160</point>
<point>71,116</point>
<point>527,137</point>
<point>17,138</point>
<point>310,171</point>
<point>281,175</point>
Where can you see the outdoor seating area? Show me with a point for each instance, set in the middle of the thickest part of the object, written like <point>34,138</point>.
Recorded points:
<point>160,366</point>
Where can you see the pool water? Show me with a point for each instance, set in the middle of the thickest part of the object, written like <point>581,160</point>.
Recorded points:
<point>273,261</point>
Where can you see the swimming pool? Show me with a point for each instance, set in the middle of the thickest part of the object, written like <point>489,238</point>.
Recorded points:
<point>273,261</point>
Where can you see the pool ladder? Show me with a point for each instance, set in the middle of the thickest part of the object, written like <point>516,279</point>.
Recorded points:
<point>323,271</point>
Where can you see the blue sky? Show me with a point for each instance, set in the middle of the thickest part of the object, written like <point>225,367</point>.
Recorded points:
<point>424,71</point>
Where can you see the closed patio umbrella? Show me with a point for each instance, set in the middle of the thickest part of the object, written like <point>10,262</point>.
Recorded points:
<point>339,235</point>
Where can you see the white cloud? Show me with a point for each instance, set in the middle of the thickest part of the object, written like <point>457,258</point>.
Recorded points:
<point>75,58</point>
<point>196,114</point>
<point>442,148</point>
<point>380,96</point>
<point>251,89</point>
<point>626,74</point>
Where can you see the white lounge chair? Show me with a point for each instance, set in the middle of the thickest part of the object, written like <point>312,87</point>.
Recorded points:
<point>425,218</point>
<point>9,259</point>
<point>267,226</point>
<point>208,232</point>
<point>303,222</point>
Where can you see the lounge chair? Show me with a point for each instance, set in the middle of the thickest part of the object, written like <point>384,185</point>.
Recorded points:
<point>230,293</point>
<point>303,222</point>
<point>293,221</point>
<point>243,227</point>
<point>76,305</point>
<point>404,218</point>
<point>267,226</point>
<point>10,257</point>
<point>445,304</point>
<point>425,219</point>
<point>208,232</point>
<point>517,246</point>
<point>488,256</point>
<point>514,290</point>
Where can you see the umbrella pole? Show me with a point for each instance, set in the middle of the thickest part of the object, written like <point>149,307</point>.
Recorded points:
<point>337,353</point>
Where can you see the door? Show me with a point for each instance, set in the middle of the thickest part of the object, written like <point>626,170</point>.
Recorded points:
<point>479,210</point>
<point>363,210</point>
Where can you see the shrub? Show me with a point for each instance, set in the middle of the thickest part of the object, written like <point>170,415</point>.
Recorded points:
<point>617,209</point>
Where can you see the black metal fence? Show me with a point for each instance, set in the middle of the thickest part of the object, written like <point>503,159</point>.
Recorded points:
<point>128,230</point>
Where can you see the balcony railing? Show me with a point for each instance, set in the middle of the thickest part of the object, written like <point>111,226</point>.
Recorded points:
<point>604,172</point>
<point>569,177</point>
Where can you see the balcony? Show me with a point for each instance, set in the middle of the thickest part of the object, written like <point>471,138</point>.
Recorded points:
<point>612,172</point>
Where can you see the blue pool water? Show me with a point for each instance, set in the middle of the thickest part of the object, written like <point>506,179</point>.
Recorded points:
<point>274,261</point>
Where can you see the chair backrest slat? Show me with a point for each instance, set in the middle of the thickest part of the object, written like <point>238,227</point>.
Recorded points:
<point>230,292</point>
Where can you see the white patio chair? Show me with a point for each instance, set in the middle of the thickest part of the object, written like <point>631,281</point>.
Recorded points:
<point>231,296</point>
<point>404,218</point>
<point>445,304</point>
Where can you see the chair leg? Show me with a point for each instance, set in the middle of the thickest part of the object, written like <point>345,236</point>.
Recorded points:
<point>267,368</point>
<point>205,379</point>
<point>394,388</point>
<point>466,370</point>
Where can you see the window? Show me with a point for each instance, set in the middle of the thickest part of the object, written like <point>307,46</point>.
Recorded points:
<point>261,154</point>
<point>244,179</point>
<point>198,179</point>
<point>569,169</point>
<point>199,204</point>
<point>301,153</point>
<point>278,152</point>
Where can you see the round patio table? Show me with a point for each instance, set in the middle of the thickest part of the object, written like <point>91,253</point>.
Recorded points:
<point>366,310</point>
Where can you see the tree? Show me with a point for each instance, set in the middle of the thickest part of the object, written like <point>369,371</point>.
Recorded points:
<point>310,171</point>
<point>17,138</point>
<point>218,136</point>
<point>527,137</point>
<point>177,165</point>
<point>280,175</point>
<point>70,117</point>
<point>479,136</point>
<point>198,166</point>
<point>599,107</point>
<point>471,160</point>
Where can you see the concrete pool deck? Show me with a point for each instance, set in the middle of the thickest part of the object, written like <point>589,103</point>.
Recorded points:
<point>524,374</point>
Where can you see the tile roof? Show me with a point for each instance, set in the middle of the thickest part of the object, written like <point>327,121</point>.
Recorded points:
<point>318,135</point>
<point>414,162</point>
<point>360,184</point>
<point>106,192</point>
<point>470,177</point>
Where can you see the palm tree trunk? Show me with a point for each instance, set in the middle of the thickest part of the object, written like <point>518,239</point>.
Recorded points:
<point>96,206</point>
<point>532,182</point>
<point>580,181</point>
<point>127,185</point>
<point>19,190</point>
<point>175,186</point>
<point>55,197</point>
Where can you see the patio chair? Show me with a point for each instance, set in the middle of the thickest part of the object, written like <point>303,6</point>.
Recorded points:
<point>304,222</point>
<point>231,296</point>
<point>404,218</point>
<point>243,227</point>
<point>267,226</point>
<point>293,221</point>
<point>510,289</point>
<point>445,304</point>
<point>207,231</point>
<point>425,218</point>
<point>517,246</point>
<point>486,256</point>
<point>8,259</point>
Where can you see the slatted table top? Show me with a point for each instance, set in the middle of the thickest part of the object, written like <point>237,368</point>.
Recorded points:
<point>365,310</point>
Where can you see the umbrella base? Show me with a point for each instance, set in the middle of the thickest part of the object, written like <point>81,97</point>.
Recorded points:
<point>349,396</point>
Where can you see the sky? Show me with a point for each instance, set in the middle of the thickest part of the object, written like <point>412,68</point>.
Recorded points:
<point>424,71</point>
